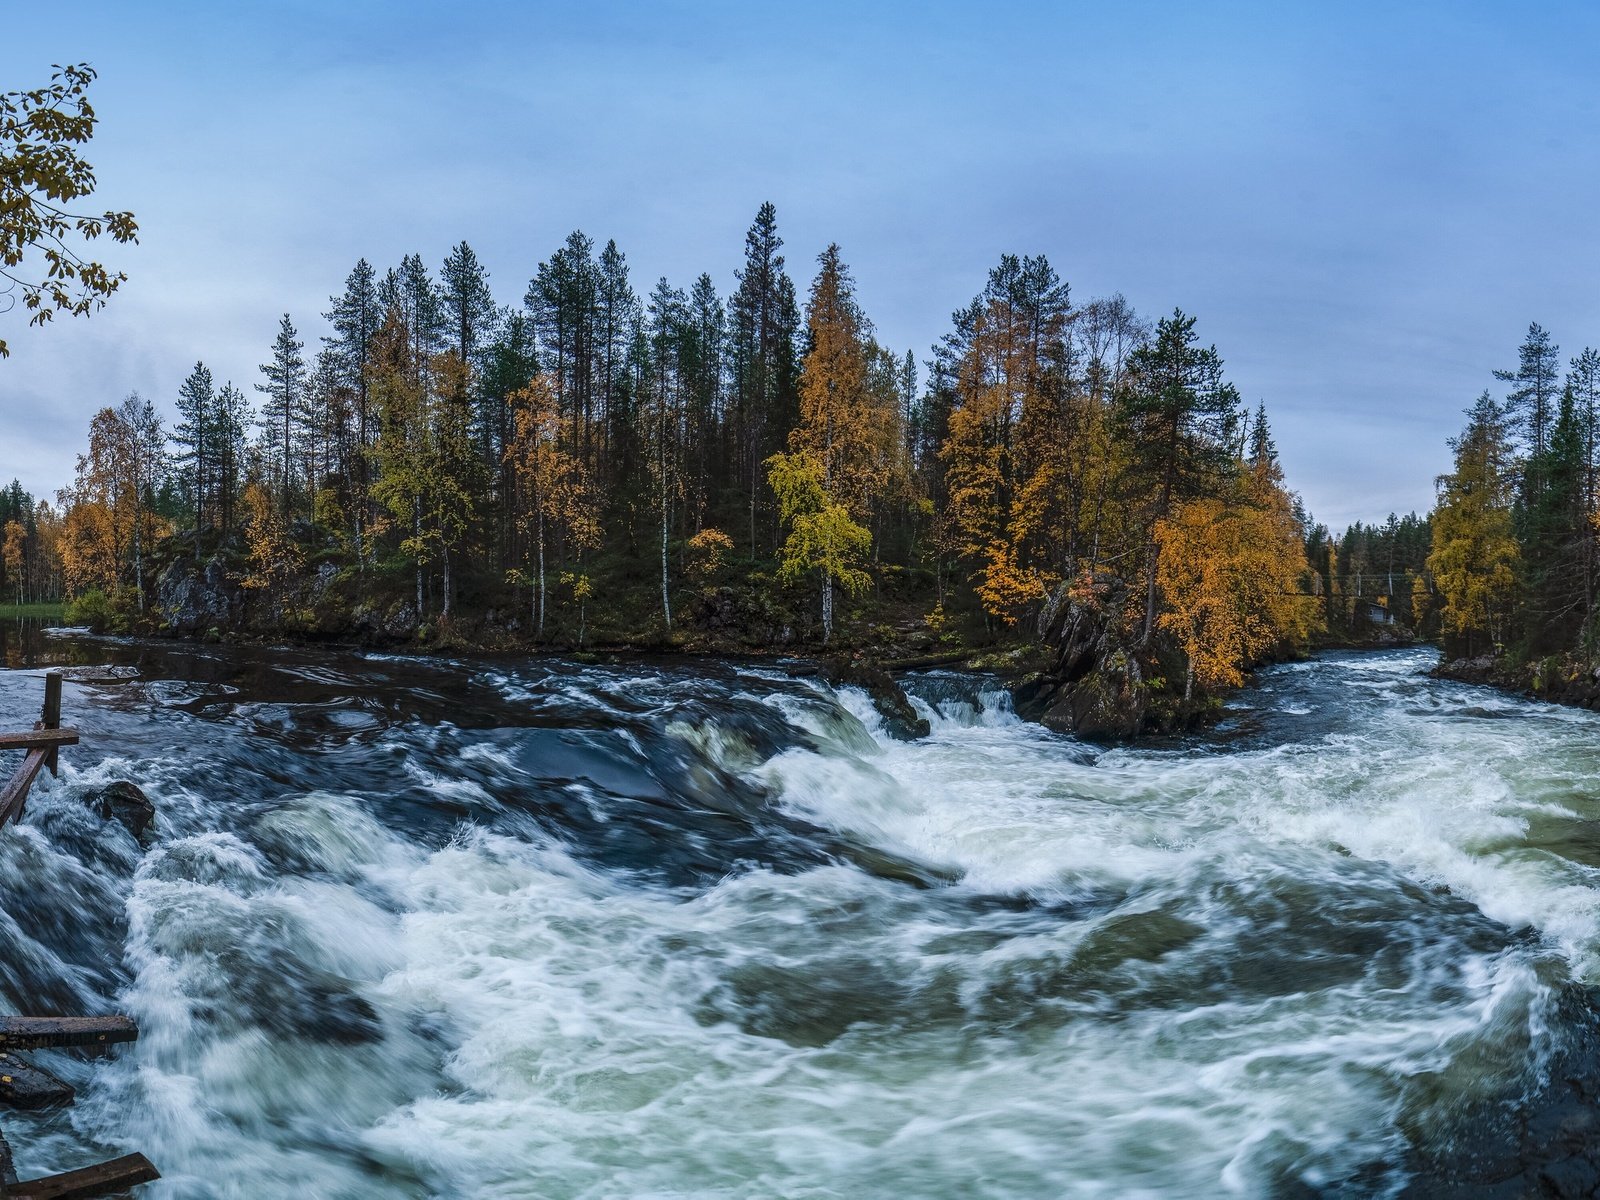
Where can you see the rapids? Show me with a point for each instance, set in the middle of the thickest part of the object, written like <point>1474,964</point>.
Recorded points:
<point>418,928</point>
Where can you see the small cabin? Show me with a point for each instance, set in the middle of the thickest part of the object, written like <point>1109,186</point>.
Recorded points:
<point>1375,611</point>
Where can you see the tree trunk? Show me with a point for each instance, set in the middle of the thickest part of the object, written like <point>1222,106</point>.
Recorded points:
<point>666,599</point>
<point>1149,594</point>
<point>448,590</point>
<point>138,556</point>
<point>827,608</point>
<point>416,526</point>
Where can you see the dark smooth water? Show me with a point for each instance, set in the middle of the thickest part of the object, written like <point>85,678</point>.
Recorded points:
<point>422,928</point>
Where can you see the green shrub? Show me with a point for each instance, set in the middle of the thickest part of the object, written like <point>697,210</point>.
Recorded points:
<point>93,609</point>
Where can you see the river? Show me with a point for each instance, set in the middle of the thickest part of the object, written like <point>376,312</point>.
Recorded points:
<point>532,928</point>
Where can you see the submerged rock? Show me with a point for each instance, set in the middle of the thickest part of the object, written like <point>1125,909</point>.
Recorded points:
<point>125,804</point>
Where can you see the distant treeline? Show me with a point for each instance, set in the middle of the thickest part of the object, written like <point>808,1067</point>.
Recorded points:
<point>618,460</point>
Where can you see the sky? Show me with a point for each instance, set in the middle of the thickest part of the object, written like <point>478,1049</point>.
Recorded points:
<point>1364,205</point>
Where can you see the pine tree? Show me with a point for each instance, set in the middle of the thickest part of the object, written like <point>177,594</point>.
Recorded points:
<point>705,331</point>
<point>662,415</point>
<point>563,299</point>
<point>467,305</point>
<point>617,318</point>
<point>412,292</point>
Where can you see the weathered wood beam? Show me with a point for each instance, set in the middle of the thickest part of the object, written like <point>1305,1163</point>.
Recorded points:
<point>32,739</point>
<point>50,718</point>
<point>8,1166</point>
<point>38,1033</point>
<point>24,1085</point>
<point>102,1179</point>
<point>16,790</point>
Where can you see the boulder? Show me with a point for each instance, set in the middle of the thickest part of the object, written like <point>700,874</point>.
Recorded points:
<point>125,804</point>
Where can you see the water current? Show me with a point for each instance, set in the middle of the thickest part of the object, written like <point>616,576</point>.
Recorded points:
<point>533,928</point>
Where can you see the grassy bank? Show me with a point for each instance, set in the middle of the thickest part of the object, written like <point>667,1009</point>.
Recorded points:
<point>44,611</point>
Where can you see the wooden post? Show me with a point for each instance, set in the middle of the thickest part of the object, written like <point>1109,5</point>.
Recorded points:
<point>52,713</point>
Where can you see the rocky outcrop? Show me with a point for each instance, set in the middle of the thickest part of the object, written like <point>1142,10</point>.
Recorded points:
<point>1539,1143</point>
<point>900,718</point>
<point>1101,681</point>
<point>193,598</point>
<point>1096,685</point>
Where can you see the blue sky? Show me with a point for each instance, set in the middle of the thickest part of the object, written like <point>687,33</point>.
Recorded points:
<point>1364,205</point>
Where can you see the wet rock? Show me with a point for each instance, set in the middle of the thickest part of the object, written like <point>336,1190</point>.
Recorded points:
<point>900,718</point>
<point>125,804</point>
<point>1542,1142</point>
<point>1573,1179</point>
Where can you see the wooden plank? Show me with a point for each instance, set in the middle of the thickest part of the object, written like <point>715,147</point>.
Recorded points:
<point>33,738</point>
<point>24,1085</point>
<point>38,1033</point>
<point>16,791</point>
<point>51,717</point>
<point>102,1179</point>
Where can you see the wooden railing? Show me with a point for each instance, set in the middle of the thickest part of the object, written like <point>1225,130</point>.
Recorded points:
<point>22,1083</point>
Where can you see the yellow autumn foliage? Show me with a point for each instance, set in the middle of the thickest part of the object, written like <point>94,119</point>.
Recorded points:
<point>1231,574</point>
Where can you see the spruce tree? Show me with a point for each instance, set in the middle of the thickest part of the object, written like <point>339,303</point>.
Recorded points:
<point>196,436</point>
<point>764,321</point>
<point>1584,381</point>
<point>1530,406</point>
<point>283,413</point>
<point>1555,535</point>
<point>233,421</point>
<point>1180,419</point>
<point>468,308</point>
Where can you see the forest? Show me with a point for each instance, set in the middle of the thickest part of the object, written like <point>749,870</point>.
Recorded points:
<point>596,466</point>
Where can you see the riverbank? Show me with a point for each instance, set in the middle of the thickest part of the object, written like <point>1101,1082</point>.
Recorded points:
<point>1558,679</point>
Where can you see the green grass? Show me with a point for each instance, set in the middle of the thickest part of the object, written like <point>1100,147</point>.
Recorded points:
<point>45,610</point>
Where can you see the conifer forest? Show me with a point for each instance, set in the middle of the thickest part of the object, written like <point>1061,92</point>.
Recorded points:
<point>596,466</point>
